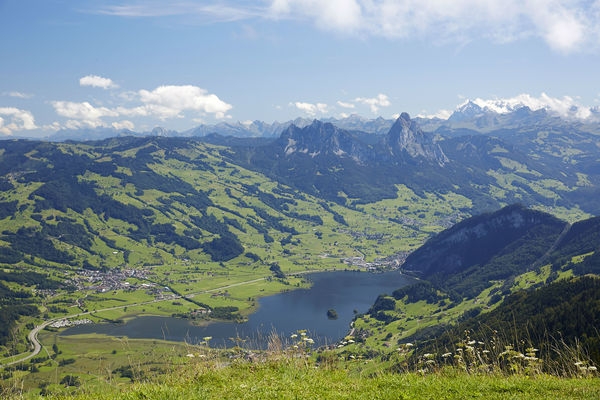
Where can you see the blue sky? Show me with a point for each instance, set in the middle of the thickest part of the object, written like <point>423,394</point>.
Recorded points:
<point>139,64</point>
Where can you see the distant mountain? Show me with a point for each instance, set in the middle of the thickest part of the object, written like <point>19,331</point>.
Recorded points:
<point>247,129</point>
<point>325,160</point>
<point>239,129</point>
<point>321,139</point>
<point>407,136</point>
<point>91,134</point>
<point>404,142</point>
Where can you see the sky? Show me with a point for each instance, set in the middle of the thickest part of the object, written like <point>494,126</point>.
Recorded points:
<point>138,64</point>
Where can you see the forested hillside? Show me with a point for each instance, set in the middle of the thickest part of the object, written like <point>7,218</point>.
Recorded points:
<point>515,277</point>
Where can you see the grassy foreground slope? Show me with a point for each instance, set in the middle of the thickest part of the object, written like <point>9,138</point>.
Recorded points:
<point>301,379</point>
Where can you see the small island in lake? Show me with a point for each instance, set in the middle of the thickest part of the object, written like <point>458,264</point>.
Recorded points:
<point>332,314</point>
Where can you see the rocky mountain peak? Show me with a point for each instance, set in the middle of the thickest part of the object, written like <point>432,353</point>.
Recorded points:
<point>321,138</point>
<point>406,136</point>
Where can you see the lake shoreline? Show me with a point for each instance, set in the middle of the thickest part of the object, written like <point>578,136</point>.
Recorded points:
<point>283,313</point>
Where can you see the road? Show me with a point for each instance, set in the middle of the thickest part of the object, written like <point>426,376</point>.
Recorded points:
<point>32,337</point>
<point>37,346</point>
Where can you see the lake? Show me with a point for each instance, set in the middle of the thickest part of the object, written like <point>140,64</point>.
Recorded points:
<point>347,292</point>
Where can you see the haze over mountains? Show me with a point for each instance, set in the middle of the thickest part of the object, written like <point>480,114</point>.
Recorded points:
<point>481,115</point>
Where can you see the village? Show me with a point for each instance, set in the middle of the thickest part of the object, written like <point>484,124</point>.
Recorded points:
<point>118,279</point>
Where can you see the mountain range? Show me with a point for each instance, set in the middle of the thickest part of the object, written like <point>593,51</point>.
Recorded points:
<point>181,212</point>
<point>467,117</point>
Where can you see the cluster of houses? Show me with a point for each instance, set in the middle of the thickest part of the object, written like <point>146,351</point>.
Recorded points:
<point>113,279</point>
<point>65,323</point>
<point>392,262</point>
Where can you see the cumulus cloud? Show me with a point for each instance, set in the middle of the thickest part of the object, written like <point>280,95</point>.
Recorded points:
<point>163,103</point>
<point>98,81</point>
<point>125,124</point>
<point>565,25</point>
<point>82,114</point>
<point>311,109</point>
<point>14,119</point>
<point>381,100</point>
<point>170,101</point>
<point>565,107</point>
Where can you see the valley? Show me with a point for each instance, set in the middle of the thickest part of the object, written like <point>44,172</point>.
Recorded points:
<point>200,228</point>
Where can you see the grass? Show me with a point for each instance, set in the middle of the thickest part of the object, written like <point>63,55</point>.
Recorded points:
<point>289,375</point>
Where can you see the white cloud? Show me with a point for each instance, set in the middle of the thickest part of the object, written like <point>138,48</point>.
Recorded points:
<point>164,102</point>
<point>345,104</point>
<point>311,109</point>
<point>125,124</point>
<point>98,81</point>
<point>441,114</point>
<point>565,25</point>
<point>14,119</point>
<point>19,95</point>
<point>84,113</point>
<point>170,101</point>
<point>565,107</point>
<point>339,15</point>
<point>218,11</point>
<point>381,100</point>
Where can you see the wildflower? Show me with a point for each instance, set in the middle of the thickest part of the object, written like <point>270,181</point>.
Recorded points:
<point>592,368</point>
<point>446,355</point>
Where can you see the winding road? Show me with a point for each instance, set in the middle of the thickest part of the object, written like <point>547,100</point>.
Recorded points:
<point>32,337</point>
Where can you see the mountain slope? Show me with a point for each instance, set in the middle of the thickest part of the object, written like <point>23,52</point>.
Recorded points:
<point>474,252</point>
<point>519,276</point>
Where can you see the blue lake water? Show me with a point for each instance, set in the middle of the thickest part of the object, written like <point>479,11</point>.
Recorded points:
<point>285,313</point>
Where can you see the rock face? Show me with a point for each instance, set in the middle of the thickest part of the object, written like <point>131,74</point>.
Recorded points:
<point>406,136</point>
<point>323,139</point>
<point>404,140</point>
